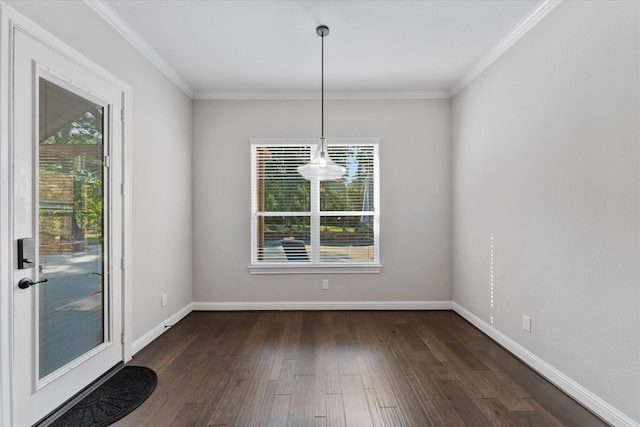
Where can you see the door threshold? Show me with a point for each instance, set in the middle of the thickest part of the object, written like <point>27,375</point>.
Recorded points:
<point>57,413</point>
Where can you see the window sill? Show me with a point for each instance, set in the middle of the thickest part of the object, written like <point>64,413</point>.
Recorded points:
<point>315,269</point>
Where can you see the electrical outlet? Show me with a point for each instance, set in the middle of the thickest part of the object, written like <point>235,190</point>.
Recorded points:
<point>325,284</point>
<point>163,300</point>
<point>526,323</point>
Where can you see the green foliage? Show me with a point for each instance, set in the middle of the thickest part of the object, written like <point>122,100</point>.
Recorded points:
<point>84,129</point>
<point>88,201</point>
<point>83,167</point>
<point>285,190</point>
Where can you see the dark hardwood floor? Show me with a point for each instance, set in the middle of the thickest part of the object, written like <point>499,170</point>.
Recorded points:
<point>343,368</point>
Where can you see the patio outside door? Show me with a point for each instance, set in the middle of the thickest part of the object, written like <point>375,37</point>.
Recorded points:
<point>67,215</point>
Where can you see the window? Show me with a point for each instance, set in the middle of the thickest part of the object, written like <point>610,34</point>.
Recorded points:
<point>299,225</point>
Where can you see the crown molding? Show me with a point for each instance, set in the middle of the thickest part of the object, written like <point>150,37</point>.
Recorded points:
<point>113,19</point>
<point>354,95</point>
<point>505,44</point>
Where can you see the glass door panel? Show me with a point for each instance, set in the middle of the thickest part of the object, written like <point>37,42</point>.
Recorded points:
<point>71,223</point>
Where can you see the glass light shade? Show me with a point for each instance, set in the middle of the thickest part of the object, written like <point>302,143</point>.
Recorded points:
<point>321,167</point>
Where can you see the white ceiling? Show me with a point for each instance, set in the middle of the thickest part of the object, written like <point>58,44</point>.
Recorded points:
<point>242,48</point>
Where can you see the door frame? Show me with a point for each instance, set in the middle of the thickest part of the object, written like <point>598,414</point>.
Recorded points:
<point>10,21</point>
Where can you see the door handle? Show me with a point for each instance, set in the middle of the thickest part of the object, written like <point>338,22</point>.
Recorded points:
<point>26,282</point>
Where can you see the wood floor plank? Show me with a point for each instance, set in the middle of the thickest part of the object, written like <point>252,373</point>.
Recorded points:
<point>280,356</point>
<point>507,395</point>
<point>302,402</point>
<point>347,361</point>
<point>188,415</point>
<point>392,417</point>
<point>475,384</point>
<point>280,411</point>
<point>320,382</point>
<point>346,368</point>
<point>401,352</point>
<point>257,384</point>
<point>213,396</point>
<point>436,347</point>
<point>305,357</point>
<point>376,378</point>
<point>356,408</point>
<point>172,404</point>
<point>374,407</point>
<point>470,360</point>
<point>408,402</point>
<point>442,372</point>
<point>335,416</point>
<point>417,387</point>
<point>441,413</point>
<point>464,405</point>
<point>292,341</point>
<point>287,377</point>
<point>549,418</point>
<point>346,344</point>
<point>216,378</point>
<point>138,417</point>
<point>497,413</point>
<point>532,419</point>
<point>427,381</point>
<point>438,330</point>
<point>170,356</point>
<point>332,369</point>
<point>370,342</point>
<point>234,393</point>
<point>549,397</point>
<point>266,406</point>
<point>421,351</point>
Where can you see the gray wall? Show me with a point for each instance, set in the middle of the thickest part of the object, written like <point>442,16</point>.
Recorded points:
<point>161,158</point>
<point>415,189</point>
<point>545,154</point>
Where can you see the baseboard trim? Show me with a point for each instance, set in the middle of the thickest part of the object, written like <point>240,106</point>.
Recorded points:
<point>154,333</point>
<point>323,305</point>
<point>566,384</point>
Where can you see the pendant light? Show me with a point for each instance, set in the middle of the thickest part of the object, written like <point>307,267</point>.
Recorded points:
<point>321,167</point>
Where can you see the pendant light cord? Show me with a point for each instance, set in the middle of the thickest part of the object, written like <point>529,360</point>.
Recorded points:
<point>321,167</point>
<point>322,86</point>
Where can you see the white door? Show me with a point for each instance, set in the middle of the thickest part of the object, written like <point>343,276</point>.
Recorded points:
<point>67,228</point>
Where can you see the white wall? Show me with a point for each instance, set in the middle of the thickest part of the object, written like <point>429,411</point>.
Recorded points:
<point>415,202</point>
<point>162,128</point>
<point>546,170</point>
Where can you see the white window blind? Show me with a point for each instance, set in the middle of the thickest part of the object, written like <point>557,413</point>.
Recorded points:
<point>296,222</point>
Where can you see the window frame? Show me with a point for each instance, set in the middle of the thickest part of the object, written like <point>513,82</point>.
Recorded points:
<point>314,265</point>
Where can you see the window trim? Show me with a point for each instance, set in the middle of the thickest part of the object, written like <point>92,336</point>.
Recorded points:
<point>282,268</point>
<point>313,266</point>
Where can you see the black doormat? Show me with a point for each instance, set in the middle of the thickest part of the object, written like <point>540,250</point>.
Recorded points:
<point>111,401</point>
